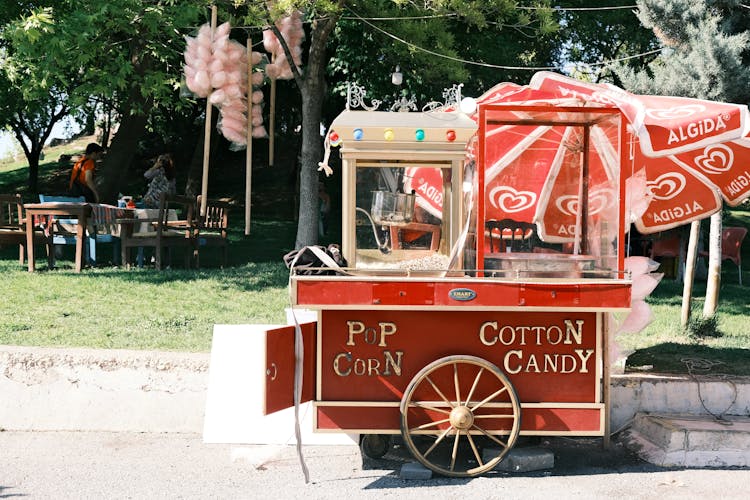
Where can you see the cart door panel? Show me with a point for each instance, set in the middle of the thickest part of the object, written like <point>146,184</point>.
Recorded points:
<point>279,393</point>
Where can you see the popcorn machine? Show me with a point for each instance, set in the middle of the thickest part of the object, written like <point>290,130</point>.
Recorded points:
<point>485,254</point>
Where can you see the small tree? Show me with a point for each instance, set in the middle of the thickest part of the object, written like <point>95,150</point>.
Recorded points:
<point>323,17</point>
<point>707,50</point>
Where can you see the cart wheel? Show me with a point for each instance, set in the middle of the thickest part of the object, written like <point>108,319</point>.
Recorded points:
<point>375,445</point>
<point>452,408</point>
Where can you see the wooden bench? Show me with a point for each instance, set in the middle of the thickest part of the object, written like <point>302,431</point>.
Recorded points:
<point>13,227</point>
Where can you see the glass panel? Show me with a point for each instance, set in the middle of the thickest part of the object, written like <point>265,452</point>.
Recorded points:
<point>551,194</point>
<point>399,218</point>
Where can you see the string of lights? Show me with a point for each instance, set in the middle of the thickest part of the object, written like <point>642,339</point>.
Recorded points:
<point>495,66</point>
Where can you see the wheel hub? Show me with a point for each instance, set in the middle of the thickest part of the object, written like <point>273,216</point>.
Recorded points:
<point>461,418</point>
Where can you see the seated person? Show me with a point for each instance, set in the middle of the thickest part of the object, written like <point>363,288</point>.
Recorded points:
<point>82,176</point>
<point>162,176</point>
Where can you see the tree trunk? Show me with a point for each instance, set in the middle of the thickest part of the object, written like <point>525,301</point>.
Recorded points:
<point>312,88</point>
<point>120,156</point>
<point>307,226</point>
<point>714,267</point>
<point>687,287</point>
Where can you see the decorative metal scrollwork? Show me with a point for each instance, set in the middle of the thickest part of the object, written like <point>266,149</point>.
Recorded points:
<point>355,98</point>
<point>405,104</point>
<point>451,97</point>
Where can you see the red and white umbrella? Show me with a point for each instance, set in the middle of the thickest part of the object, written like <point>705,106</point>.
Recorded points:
<point>685,155</point>
<point>427,184</point>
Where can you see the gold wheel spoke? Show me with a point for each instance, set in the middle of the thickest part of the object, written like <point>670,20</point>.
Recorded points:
<point>489,398</point>
<point>456,384</point>
<point>474,449</point>
<point>504,445</point>
<point>429,424</point>
<point>431,408</point>
<point>474,385</point>
<point>454,454</point>
<point>439,392</point>
<point>437,441</point>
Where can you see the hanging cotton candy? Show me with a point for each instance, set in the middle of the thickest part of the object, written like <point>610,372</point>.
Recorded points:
<point>191,58</point>
<point>638,264</point>
<point>256,121</point>
<point>223,30</point>
<point>236,136</point>
<point>257,97</point>
<point>235,111</point>
<point>232,90</point>
<point>218,97</point>
<point>218,79</point>
<point>639,318</point>
<point>270,42</point>
<point>256,110</point>
<point>272,72</point>
<point>204,53</point>
<point>256,58</point>
<point>234,77</point>
<point>220,42</point>
<point>259,132</point>
<point>235,51</point>
<point>202,84</point>
<point>637,196</point>
<point>232,123</point>
<point>644,284</point>
<point>257,78</point>
<point>215,66</point>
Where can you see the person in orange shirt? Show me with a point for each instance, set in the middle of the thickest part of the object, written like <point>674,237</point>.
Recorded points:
<point>82,176</point>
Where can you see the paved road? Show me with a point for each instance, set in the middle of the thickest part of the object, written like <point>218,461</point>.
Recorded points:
<point>85,465</point>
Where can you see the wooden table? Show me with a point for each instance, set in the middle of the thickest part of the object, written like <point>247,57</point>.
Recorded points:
<point>79,211</point>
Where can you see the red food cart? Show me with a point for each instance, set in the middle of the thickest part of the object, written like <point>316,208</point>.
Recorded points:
<point>454,324</point>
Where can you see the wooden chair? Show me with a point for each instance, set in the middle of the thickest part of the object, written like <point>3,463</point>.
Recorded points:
<point>13,227</point>
<point>161,232</point>
<point>510,234</point>
<point>731,246</point>
<point>211,229</point>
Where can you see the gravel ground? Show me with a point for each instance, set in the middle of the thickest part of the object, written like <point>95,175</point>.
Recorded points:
<point>85,465</point>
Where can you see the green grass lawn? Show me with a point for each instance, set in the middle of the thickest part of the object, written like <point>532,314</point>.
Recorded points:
<point>110,307</point>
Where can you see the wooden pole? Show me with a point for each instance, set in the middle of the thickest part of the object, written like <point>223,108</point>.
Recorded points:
<point>606,378</point>
<point>687,286</point>
<point>714,267</point>
<point>272,118</point>
<point>207,130</point>
<point>249,148</point>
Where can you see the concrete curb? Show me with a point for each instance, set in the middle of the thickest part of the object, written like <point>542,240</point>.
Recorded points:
<point>101,390</point>
<point>47,389</point>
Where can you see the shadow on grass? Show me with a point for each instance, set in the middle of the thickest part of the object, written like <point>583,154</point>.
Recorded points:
<point>672,357</point>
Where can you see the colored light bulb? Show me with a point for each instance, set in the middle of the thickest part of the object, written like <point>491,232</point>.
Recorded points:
<point>419,134</point>
<point>450,135</point>
<point>358,134</point>
<point>334,137</point>
<point>388,134</point>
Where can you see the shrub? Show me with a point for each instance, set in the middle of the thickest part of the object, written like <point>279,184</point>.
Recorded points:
<point>702,327</point>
